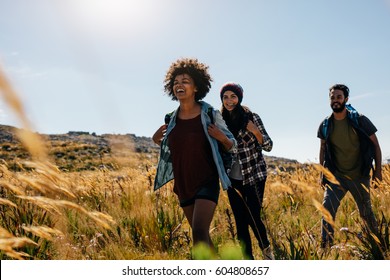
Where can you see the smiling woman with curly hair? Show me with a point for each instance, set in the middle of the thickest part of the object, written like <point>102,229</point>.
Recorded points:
<point>196,70</point>
<point>189,146</point>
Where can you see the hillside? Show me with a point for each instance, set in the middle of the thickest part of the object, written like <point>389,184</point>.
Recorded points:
<point>76,150</point>
<point>79,150</point>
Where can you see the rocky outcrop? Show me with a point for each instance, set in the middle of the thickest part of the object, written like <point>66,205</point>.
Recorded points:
<point>76,150</point>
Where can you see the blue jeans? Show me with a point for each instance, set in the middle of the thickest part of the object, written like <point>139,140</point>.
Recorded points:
<point>332,198</point>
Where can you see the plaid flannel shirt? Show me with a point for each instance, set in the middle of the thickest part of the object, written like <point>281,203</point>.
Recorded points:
<point>250,157</point>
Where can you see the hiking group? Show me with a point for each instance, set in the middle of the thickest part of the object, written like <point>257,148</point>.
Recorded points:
<point>202,148</point>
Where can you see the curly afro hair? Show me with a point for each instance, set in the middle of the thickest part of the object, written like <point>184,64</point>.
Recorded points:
<point>196,70</point>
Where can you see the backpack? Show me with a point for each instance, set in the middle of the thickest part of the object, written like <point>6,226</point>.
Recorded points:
<point>227,158</point>
<point>353,116</point>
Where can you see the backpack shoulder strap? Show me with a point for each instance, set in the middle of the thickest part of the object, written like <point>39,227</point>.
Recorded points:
<point>168,117</point>
<point>210,113</point>
<point>353,115</point>
<point>325,125</point>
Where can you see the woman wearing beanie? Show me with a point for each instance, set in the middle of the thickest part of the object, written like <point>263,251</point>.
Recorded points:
<point>189,146</point>
<point>249,171</point>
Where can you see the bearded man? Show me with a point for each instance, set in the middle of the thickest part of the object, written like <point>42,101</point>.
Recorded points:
<point>348,148</point>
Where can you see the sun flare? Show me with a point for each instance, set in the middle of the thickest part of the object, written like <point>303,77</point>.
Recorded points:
<point>113,15</point>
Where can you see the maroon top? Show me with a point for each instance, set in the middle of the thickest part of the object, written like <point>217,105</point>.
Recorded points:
<point>193,164</point>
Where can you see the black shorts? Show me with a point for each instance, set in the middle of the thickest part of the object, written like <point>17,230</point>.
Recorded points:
<point>209,192</point>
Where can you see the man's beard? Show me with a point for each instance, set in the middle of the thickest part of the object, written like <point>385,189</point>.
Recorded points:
<point>339,109</point>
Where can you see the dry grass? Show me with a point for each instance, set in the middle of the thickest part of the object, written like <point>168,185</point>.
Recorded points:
<point>48,213</point>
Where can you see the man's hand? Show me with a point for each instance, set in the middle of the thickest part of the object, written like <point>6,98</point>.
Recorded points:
<point>376,178</point>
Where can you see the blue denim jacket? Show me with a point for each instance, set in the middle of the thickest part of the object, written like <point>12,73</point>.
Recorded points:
<point>164,168</point>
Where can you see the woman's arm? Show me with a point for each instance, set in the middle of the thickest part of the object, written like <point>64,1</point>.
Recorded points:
<point>159,134</point>
<point>221,133</point>
<point>221,137</point>
<point>266,141</point>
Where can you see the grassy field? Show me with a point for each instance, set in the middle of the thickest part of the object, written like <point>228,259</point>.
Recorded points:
<point>112,213</point>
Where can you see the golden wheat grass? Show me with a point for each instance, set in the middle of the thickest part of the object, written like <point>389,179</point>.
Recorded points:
<point>43,231</point>
<point>7,202</point>
<point>103,220</point>
<point>325,213</point>
<point>328,175</point>
<point>30,140</point>
<point>4,233</point>
<point>279,186</point>
<point>305,186</point>
<point>15,189</point>
<point>8,243</point>
<point>51,179</point>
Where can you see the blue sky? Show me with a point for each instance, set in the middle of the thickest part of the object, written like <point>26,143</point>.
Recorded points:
<point>99,65</point>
